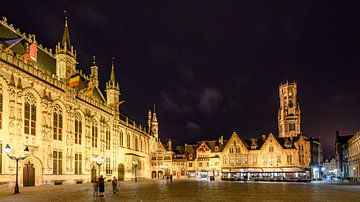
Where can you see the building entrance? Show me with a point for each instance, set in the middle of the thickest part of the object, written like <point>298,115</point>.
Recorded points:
<point>28,175</point>
<point>121,171</point>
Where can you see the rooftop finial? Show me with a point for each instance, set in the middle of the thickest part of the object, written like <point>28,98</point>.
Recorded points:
<point>94,60</point>
<point>154,108</point>
<point>112,75</point>
<point>65,17</point>
<point>65,37</point>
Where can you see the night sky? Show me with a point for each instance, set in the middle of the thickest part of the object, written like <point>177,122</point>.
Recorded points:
<point>214,67</point>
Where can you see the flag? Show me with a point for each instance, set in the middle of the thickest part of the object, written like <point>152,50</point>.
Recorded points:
<point>74,81</point>
<point>33,52</point>
<point>26,57</point>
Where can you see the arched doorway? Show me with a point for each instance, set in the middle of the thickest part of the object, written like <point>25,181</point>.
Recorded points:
<point>160,174</point>
<point>93,174</point>
<point>153,174</point>
<point>121,170</point>
<point>28,175</point>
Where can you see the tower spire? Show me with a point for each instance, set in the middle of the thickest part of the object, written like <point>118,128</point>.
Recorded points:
<point>65,41</point>
<point>112,75</point>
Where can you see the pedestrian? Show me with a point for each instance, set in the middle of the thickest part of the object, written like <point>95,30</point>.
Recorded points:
<point>101,186</point>
<point>96,188</point>
<point>171,178</point>
<point>114,185</point>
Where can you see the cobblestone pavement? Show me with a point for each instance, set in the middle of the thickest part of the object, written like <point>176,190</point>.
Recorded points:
<point>191,190</point>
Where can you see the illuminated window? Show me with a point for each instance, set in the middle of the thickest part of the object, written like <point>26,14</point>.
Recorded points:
<point>107,138</point>
<point>78,164</point>
<point>30,115</point>
<point>78,128</point>
<point>245,159</point>
<point>121,138</point>
<point>94,134</point>
<point>57,123</point>
<point>225,160</point>
<point>237,160</point>
<point>57,162</point>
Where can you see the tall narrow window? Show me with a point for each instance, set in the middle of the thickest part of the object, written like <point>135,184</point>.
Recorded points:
<point>1,107</point>
<point>0,158</point>
<point>94,134</point>
<point>30,115</point>
<point>107,140</point>
<point>128,140</point>
<point>121,138</point>
<point>57,162</point>
<point>78,164</point>
<point>107,168</point>
<point>78,128</point>
<point>136,143</point>
<point>57,123</point>
<point>289,159</point>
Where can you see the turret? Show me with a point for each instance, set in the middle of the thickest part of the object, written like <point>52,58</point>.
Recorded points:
<point>94,76</point>
<point>112,90</point>
<point>154,126</point>
<point>169,145</point>
<point>149,121</point>
<point>65,55</point>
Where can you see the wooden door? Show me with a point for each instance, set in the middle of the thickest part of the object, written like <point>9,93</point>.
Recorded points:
<point>121,171</point>
<point>93,174</point>
<point>28,175</point>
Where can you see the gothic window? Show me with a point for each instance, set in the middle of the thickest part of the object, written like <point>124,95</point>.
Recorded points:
<point>121,138</point>
<point>94,134</point>
<point>128,140</point>
<point>30,115</point>
<point>78,164</point>
<point>107,166</point>
<point>136,143</point>
<point>78,128</point>
<point>289,159</point>
<point>107,138</point>
<point>1,107</point>
<point>57,123</point>
<point>57,162</point>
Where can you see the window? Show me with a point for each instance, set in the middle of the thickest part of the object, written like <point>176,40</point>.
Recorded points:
<point>271,148</point>
<point>291,127</point>
<point>271,160</point>
<point>301,158</point>
<point>57,123</point>
<point>57,162</point>
<point>200,164</point>
<point>1,108</point>
<point>121,138</point>
<point>107,166</point>
<point>94,134</point>
<point>136,143</point>
<point>289,159</point>
<point>30,115</point>
<point>237,160</point>
<point>254,159</point>
<point>237,149</point>
<point>128,140</point>
<point>225,160</point>
<point>107,138</point>
<point>245,159</point>
<point>264,159</point>
<point>141,146</point>
<point>78,163</point>
<point>278,159</point>
<point>190,165</point>
<point>231,150</point>
<point>232,159</point>
<point>78,128</point>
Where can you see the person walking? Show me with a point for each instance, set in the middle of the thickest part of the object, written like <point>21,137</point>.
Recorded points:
<point>101,186</point>
<point>114,185</point>
<point>171,178</point>
<point>96,188</point>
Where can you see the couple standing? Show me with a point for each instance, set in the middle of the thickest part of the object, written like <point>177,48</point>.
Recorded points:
<point>99,186</point>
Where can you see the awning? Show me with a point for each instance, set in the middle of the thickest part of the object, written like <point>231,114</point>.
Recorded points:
<point>293,169</point>
<point>241,170</point>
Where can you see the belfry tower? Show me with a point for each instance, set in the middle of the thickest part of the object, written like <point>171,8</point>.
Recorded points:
<point>153,125</point>
<point>113,90</point>
<point>289,111</point>
<point>65,55</point>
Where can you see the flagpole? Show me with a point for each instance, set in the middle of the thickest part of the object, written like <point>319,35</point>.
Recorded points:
<point>14,44</point>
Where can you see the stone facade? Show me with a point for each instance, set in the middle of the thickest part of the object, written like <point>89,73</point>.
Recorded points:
<point>64,127</point>
<point>354,156</point>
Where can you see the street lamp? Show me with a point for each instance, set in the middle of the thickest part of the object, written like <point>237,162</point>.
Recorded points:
<point>135,164</point>
<point>26,152</point>
<point>99,161</point>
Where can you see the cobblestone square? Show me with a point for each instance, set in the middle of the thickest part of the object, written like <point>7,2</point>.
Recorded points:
<point>191,190</point>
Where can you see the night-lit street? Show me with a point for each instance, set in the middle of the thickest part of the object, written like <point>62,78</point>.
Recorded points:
<point>186,190</point>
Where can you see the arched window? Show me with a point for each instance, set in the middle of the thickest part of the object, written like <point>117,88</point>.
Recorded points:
<point>107,138</point>
<point>1,106</point>
<point>78,128</point>
<point>57,123</point>
<point>121,138</point>
<point>30,114</point>
<point>94,134</point>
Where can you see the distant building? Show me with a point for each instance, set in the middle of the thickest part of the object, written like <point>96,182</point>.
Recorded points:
<point>329,166</point>
<point>354,156</point>
<point>342,155</point>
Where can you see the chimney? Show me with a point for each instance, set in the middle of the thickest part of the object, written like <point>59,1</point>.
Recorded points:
<point>170,145</point>
<point>221,139</point>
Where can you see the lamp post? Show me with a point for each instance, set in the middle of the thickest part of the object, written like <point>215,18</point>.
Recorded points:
<point>26,152</point>
<point>135,164</point>
<point>99,161</point>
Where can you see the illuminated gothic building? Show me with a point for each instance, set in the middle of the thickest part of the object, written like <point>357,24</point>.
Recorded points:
<point>74,132</point>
